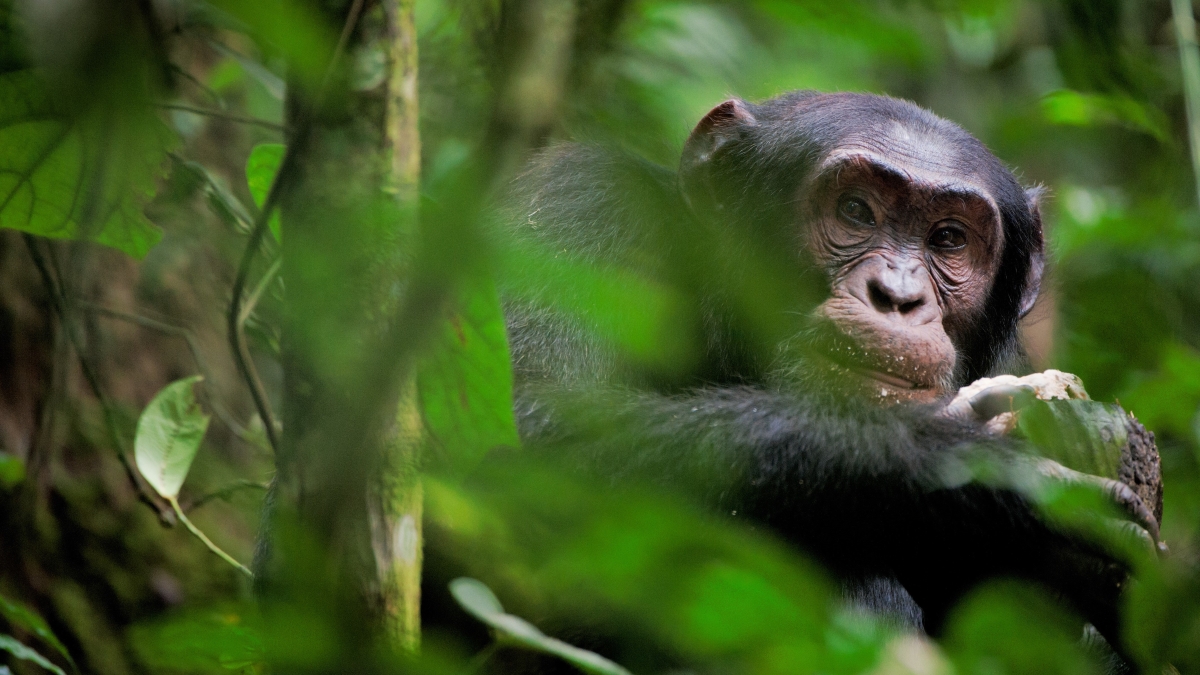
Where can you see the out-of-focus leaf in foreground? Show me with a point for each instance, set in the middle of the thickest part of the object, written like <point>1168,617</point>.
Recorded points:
<point>480,602</point>
<point>1072,108</point>
<point>1163,619</point>
<point>169,433</point>
<point>19,616</point>
<point>1008,628</point>
<point>61,177</point>
<point>218,640</point>
<point>10,644</point>
<point>466,381</point>
<point>648,571</point>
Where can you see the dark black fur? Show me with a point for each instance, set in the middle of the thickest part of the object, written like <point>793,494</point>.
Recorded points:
<point>860,487</point>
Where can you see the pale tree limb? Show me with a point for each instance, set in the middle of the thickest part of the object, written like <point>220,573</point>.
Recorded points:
<point>1189,58</point>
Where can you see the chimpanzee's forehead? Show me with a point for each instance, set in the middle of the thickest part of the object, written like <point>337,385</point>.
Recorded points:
<point>925,151</point>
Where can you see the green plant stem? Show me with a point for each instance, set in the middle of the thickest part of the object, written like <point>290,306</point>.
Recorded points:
<point>221,114</point>
<point>478,661</point>
<point>226,491</point>
<point>263,283</point>
<point>204,538</point>
<point>223,413</point>
<point>58,304</point>
<point>1189,60</point>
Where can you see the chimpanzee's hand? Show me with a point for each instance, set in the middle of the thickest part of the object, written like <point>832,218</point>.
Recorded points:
<point>1141,523</point>
<point>994,401</point>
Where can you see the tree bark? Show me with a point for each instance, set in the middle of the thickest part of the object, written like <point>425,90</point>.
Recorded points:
<point>347,491</point>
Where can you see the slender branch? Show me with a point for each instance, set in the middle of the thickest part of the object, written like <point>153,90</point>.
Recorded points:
<point>232,204</point>
<point>221,114</point>
<point>225,492</point>
<point>263,283</point>
<point>235,315</point>
<point>208,542</point>
<point>343,39</point>
<point>43,443</point>
<point>1189,58</point>
<point>193,346</point>
<point>58,304</point>
<point>237,338</point>
<point>182,72</point>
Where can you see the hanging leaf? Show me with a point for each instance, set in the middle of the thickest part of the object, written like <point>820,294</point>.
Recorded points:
<point>49,162</point>
<point>261,168</point>
<point>479,601</point>
<point>466,381</point>
<point>168,435</point>
<point>24,618</point>
<point>9,644</point>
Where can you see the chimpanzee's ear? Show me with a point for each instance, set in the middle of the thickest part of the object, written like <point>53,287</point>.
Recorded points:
<point>721,125</point>
<point>1037,252</point>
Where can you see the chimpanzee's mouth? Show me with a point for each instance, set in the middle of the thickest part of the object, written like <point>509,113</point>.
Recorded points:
<point>886,378</point>
<point>872,372</point>
<point>849,359</point>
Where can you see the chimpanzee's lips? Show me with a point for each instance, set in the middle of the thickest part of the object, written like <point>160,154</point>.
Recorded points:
<point>886,378</point>
<point>872,372</point>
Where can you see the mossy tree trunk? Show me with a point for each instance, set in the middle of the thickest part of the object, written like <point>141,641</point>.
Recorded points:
<point>346,523</point>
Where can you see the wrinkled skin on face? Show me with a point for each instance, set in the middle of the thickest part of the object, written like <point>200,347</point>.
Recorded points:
<point>912,250</point>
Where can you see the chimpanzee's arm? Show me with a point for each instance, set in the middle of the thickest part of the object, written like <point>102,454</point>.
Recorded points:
<point>864,489</point>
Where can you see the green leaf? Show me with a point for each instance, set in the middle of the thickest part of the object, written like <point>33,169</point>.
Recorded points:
<point>261,168</point>
<point>466,382</point>
<point>295,30</point>
<point>24,618</point>
<point>200,641</point>
<point>12,470</point>
<point>479,601</point>
<point>1072,108</point>
<point>1086,436</point>
<point>9,644</point>
<point>49,162</point>
<point>168,435</point>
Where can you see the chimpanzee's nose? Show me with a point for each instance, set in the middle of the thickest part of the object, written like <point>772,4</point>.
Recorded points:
<point>902,289</point>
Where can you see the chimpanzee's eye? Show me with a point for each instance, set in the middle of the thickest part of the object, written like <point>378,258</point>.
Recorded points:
<point>855,211</point>
<point>948,236</point>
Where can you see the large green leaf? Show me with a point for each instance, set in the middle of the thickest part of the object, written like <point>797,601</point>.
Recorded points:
<point>20,616</point>
<point>9,644</point>
<point>12,470</point>
<point>261,168</point>
<point>477,599</point>
<point>168,435</point>
<point>215,640</point>
<point>466,381</point>
<point>50,163</point>
<point>1083,435</point>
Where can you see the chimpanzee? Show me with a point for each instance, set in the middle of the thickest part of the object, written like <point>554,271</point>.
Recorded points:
<point>846,262</point>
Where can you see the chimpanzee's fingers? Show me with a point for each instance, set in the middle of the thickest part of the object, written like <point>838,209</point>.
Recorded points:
<point>1129,500</point>
<point>1000,399</point>
<point>988,403</point>
<point>1119,492</point>
<point>1131,532</point>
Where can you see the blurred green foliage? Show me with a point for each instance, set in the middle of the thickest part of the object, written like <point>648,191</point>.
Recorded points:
<point>1083,96</point>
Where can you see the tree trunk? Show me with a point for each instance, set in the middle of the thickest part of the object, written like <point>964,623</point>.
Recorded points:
<point>346,523</point>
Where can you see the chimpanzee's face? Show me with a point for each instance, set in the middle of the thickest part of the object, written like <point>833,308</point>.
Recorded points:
<point>932,249</point>
<point>912,249</point>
